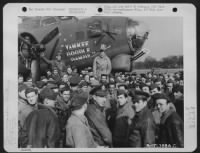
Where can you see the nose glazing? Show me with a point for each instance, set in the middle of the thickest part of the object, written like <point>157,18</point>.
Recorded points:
<point>137,33</point>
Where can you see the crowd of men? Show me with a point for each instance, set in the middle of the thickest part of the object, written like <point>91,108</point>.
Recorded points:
<point>72,108</point>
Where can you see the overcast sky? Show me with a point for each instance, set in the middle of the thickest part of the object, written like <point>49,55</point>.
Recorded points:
<point>165,38</point>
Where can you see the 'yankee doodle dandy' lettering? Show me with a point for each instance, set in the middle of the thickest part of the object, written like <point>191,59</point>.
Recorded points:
<point>77,45</point>
<point>78,51</point>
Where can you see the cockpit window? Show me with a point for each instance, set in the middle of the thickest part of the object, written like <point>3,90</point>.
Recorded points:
<point>48,21</point>
<point>94,29</point>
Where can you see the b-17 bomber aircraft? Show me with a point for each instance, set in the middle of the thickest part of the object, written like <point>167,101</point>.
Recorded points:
<point>78,41</point>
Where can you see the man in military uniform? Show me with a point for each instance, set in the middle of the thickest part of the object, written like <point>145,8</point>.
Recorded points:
<point>102,63</point>
<point>41,128</point>
<point>57,63</point>
<point>142,130</point>
<point>125,114</point>
<point>77,127</point>
<point>97,119</point>
<point>171,126</point>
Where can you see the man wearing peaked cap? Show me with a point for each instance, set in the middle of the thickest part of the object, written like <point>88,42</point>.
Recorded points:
<point>142,130</point>
<point>97,91</point>
<point>141,94</point>
<point>97,120</point>
<point>144,87</point>
<point>154,89</point>
<point>74,82</point>
<point>123,118</point>
<point>78,100</point>
<point>84,86</point>
<point>77,128</point>
<point>40,85</point>
<point>48,95</point>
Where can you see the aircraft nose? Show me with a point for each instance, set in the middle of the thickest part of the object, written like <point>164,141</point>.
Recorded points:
<point>137,33</point>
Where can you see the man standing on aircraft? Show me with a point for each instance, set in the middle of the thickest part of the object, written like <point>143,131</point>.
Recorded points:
<point>57,63</point>
<point>102,63</point>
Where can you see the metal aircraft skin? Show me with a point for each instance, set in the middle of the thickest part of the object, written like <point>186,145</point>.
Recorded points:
<point>78,41</point>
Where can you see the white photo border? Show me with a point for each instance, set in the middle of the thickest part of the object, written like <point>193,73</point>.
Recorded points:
<point>11,12</point>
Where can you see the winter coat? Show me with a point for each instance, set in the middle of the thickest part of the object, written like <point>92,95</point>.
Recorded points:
<point>42,128</point>
<point>171,129</point>
<point>24,109</point>
<point>122,125</point>
<point>98,125</point>
<point>101,66</point>
<point>142,130</point>
<point>78,134</point>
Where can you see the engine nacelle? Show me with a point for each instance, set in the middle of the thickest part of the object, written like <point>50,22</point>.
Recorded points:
<point>121,62</point>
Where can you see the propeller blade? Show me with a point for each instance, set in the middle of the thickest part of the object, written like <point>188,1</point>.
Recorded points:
<point>35,70</point>
<point>25,41</point>
<point>50,36</point>
<point>99,40</point>
<point>53,49</point>
<point>110,35</point>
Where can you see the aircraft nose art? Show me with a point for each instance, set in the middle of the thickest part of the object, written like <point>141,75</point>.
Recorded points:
<point>137,33</point>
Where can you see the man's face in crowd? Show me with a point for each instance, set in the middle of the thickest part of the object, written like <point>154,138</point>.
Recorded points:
<point>178,95</point>
<point>103,78</point>
<point>103,87</point>
<point>154,76</point>
<point>22,94</point>
<point>85,88</point>
<point>143,80</point>
<point>55,72</point>
<point>162,105</point>
<point>146,89</point>
<point>61,86</point>
<point>48,72</point>
<point>102,54</point>
<point>123,77</point>
<point>58,57</point>
<point>177,75</point>
<point>148,83</point>
<point>69,70</point>
<point>111,88</point>
<point>56,90</point>
<point>92,79</point>
<point>122,88</point>
<point>127,82</point>
<point>181,83</point>
<point>74,88</point>
<point>149,75</point>
<point>139,104</point>
<point>32,98</point>
<point>112,79</point>
<point>65,78</point>
<point>154,91</point>
<point>75,70</point>
<point>170,86</point>
<point>49,102</point>
<point>87,78</point>
<point>100,100</point>
<point>121,99</point>
<point>66,95</point>
<point>159,84</point>
<point>20,79</point>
